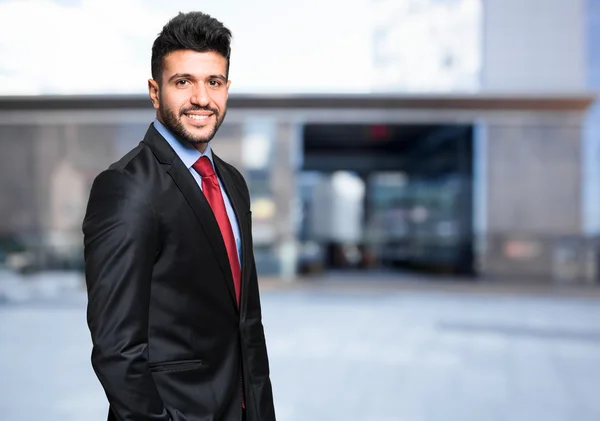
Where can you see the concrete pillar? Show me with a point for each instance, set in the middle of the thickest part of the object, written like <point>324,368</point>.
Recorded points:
<point>534,191</point>
<point>285,192</point>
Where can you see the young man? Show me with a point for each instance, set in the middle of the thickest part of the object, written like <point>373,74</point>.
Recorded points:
<point>173,302</point>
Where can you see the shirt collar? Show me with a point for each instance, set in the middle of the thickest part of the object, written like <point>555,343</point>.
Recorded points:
<point>188,154</point>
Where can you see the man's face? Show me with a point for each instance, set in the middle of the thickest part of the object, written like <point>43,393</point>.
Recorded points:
<point>191,100</point>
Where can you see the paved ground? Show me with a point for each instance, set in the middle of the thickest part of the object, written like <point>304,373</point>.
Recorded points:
<point>354,351</point>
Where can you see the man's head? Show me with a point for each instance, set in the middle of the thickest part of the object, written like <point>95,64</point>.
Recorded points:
<point>190,76</point>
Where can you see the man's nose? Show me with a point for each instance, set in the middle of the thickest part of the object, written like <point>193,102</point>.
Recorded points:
<point>200,96</point>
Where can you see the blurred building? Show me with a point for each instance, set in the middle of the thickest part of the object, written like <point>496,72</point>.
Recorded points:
<point>477,153</point>
<point>485,184</point>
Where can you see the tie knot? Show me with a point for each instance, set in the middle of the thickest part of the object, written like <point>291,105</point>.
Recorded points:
<point>204,167</point>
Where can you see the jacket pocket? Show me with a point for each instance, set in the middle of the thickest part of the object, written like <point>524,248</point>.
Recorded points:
<point>170,366</point>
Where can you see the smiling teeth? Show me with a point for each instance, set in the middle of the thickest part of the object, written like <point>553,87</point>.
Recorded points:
<point>197,117</point>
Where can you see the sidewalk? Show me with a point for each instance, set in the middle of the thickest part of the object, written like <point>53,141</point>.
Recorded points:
<point>51,284</point>
<point>357,348</point>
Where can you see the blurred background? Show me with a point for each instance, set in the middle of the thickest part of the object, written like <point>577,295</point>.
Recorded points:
<point>425,182</point>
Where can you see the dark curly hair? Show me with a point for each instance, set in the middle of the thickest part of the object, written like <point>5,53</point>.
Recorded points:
<point>190,31</point>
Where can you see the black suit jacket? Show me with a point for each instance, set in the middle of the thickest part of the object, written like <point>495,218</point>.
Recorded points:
<point>169,342</point>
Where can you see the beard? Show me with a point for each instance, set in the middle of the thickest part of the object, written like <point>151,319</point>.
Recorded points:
<point>174,123</point>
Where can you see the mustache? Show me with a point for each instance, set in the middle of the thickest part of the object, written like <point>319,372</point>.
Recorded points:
<point>197,108</point>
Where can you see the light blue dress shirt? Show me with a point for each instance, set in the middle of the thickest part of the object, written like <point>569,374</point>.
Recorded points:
<point>189,156</point>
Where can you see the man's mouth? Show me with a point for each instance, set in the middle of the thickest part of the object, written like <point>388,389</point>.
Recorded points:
<point>198,117</point>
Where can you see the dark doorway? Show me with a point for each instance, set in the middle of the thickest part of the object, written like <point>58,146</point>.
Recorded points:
<point>416,210</point>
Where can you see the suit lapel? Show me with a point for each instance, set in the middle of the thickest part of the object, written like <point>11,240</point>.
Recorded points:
<point>193,195</point>
<point>239,205</point>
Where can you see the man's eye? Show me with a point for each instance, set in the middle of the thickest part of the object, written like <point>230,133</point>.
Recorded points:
<point>215,83</point>
<point>182,82</point>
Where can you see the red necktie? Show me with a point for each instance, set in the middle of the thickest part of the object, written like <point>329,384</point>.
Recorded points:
<point>212,192</point>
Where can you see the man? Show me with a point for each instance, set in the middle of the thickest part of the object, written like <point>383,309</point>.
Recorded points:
<point>173,301</point>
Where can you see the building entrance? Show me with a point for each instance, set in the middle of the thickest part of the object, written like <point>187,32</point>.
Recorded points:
<point>387,196</point>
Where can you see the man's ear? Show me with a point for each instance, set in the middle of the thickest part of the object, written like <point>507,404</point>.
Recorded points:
<point>154,92</point>
<point>228,85</point>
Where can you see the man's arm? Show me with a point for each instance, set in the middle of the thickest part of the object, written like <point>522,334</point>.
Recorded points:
<point>120,240</point>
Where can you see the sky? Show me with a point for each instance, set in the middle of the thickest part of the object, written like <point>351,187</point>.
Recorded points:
<point>103,46</point>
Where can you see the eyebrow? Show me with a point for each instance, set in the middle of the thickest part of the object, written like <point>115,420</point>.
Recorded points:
<point>190,76</point>
<point>223,78</point>
<point>180,75</point>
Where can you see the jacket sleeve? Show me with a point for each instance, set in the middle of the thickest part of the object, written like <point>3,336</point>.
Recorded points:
<point>120,243</point>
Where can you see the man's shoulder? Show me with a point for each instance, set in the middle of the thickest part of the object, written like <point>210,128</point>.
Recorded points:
<point>122,189</point>
<point>134,157</point>
<point>130,171</point>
